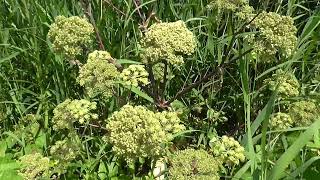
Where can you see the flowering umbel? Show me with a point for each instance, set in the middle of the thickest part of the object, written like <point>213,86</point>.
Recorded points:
<point>70,35</point>
<point>276,33</point>
<point>70,111</point>
<point>304,112</point>
<point>227,150</point>
<point>281,121</point>
<point>34,166</point>
<point>98,75</point>
<point>190,164</point>
<point>63,152</point>
<point>136,132</point>
<point>167,42</point>
<point>135,75</point>
<point>286,82</point>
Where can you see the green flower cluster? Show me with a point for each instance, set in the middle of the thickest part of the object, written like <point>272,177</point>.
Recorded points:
<point>276,33</point>
<point>34,166</point>
<point>304,113</point>
<point>70,111</point>
<point>216,117</point>
<point>288,85</point>
<point>70,35</point>
<point>227,5</point>
<point>135,75</point>
<point>170,123</point>
<point>136,132</point>
<point>63,152</point>
<point>98,75</point>
<point>227,150</point>
<point>168,42</point>
<point>190,164</point>
<point>158,72</point>
<point>281,121</point>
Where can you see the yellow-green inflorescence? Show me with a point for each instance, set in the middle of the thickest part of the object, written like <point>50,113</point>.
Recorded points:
<point>281,121</point>
<point>137,132</point>
<point>191,164</point>
<point>63,152</point>
<point>276,33</point>
<point>34,166</point>
<point>227,5</point>
<point>70,111</point>
<point>135,75</point>
<point>227,150</point>
<point>70,35</point>
<point>98,75</point>
<point>287,83</point>
<point>167,42</point>
<point>304,112</point>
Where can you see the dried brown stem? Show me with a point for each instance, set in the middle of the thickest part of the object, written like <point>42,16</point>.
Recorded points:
<point>117,10</point>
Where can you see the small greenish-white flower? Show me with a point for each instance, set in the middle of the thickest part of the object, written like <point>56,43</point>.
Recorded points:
<point>227,5</point>
<point>70,35</point>
<point>281,121</point>
<point>304,113</point>
<point>63,152</point>
<point>287,83</point>
<point>34,166</point>
<point>276,33</point>
<point>227,150</point>
<point>137,132</point>
<point>216,116</point>
<point>70,111</point>
<point>158,72</point>
<point>167,42</point>
<point>190,164</point>
<point>135,75</point>
<point>98,75</point>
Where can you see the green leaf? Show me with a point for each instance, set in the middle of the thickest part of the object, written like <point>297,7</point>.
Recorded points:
<point>282,163</point>
<point>141,94</point>
<point>9,57</point>
<point>127,61</point>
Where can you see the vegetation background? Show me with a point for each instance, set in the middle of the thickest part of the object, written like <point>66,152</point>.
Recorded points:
<point>34,80</point>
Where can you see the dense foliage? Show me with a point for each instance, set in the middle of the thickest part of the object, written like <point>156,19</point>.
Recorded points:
<point>159,89</point>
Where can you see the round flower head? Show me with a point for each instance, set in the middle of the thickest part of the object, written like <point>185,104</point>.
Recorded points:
<point>193,164</point>
<point>287,83</point>
<point>304,113</point>
<point>68,112</point>
<point>281,121</point>
<point>227,150</point>
<point>168,42</point>
<point>135,75</point>
<point>34,166</point>
<point>63,152</point>
<point>170,123</point>
<point>158,72</point>
<point>70,35</point>
<point>275,33</point>
<point>137,132</point>
<point>98,75</point>
<point>227,5</point>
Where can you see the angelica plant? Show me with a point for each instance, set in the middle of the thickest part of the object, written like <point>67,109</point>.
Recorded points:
<point>70,35</point>
<point>227,150</point>
<point>70,111</point>
<point>98,75</point>
<point>276,33</point>
<point>191,164</point>
<point>281,121</point>
<point>137,132</point>
<point>167,42</point>
<point>135,75</point>
<point>34,166</point>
